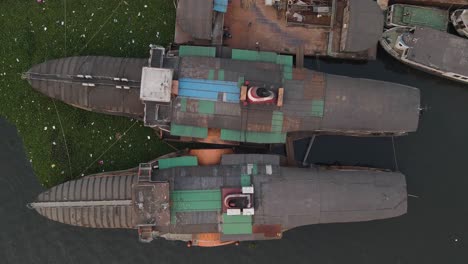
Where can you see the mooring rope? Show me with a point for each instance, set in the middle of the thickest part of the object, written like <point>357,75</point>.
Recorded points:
<point>64,138</point>
<point>394,155</point>
<point>65,24</point>
<point>105,151</point>
<point>101,27</point>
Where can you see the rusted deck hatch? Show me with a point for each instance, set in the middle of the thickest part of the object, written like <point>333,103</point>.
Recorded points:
<point>151,204</point>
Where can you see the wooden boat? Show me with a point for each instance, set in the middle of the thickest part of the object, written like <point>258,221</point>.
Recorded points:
<point>234,198</point>
<point>459,20</point>
<point>430,50</point>
<point>199,94</point>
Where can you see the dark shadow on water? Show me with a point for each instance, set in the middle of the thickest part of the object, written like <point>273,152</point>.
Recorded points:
<point>434,230</point>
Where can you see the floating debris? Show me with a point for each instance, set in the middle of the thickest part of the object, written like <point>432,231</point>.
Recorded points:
<point>52,166</point>
<point>45,128</point>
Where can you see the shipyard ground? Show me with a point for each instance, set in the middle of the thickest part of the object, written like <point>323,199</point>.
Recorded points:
<point>32,33</point>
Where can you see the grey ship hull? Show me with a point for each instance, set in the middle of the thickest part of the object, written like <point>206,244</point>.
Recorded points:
<point>353,106</point>
<point>284,197</point>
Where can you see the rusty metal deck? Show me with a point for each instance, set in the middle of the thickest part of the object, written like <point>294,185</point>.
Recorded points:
<point>256,26</point>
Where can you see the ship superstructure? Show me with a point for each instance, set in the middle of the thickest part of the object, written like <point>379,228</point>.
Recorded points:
<point>460,21</point>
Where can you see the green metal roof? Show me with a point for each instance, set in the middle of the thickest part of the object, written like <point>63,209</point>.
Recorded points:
<point>251,55</point>
<point>265,56</point>
<point>246,180</point>
<point>188,131</point>
<point>236,224</point>
<point>287,72</point>
<point>318,108</point>
<point>197,51</point>
<point>277,122</point>
<point>194,201</point>
<point>206,107</point>
<point>178,162</point>
<point>408,15</point>
<point>251,136</point>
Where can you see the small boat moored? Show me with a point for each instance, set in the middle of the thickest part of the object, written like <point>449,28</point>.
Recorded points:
<point>430,50</point>
<point>400,15</point>
<point>460,21</point>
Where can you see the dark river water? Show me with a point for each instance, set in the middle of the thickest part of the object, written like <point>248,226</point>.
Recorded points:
<point>435,230</point>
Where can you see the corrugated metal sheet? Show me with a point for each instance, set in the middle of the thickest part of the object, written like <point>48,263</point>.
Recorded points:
<point>246,180</point>
<point>236,224</point>
<point>206,107</point>
<point>178,162</point>
<point>287,72</point>
<point>189,131</point>
<point>92,188</point>
<point>317,108</point>
<point>250,136</point>
<point>196,200</point>
<point>221,74</point>
<point>251,55</point>
<point>209,89</point>
<point>197,51</point>
<point>236,159</point>
<point>262,56</point>
<point>284,60</point>
<point>220,5</point>
<point>277,122</point>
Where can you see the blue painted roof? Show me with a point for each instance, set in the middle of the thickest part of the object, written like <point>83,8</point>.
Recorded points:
<point>220,5</point>
<point>209,89</point>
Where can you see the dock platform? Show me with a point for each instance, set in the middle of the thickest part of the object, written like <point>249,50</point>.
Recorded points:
<point>334,28</point>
